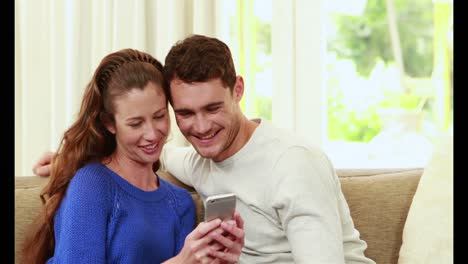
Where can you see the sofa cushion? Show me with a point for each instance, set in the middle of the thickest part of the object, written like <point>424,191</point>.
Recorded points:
<point>379,202</point>
<point>27,205</point>
<point>428,231</point>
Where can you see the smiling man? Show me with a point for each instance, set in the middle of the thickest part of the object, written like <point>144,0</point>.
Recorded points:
<point>288,193</point>
<point>208,117</point>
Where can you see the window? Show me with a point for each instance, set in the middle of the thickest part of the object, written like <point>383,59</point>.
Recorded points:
<point>248,34</point>
<point>389,72</point>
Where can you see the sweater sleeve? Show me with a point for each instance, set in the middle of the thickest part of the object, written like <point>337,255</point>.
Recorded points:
<point>186,212</point>
<point>306,203</point>
<point>81,222</point>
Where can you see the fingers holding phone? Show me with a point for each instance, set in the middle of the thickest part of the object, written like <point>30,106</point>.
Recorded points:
<point>231,239</point>
<point>197,246</point>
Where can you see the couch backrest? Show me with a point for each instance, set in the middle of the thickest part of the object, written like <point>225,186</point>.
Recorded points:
<point>379,201</point>
<point>27,205</point>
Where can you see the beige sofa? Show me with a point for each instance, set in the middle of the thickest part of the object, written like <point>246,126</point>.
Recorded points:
<point>378,199</point>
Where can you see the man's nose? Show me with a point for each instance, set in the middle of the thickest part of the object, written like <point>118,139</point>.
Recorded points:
<point>201,124</point>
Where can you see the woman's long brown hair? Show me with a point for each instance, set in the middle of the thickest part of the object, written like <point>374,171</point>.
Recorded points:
<point>87,140</point>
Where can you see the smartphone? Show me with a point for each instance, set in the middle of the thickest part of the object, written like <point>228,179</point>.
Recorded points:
<point>220,206</point>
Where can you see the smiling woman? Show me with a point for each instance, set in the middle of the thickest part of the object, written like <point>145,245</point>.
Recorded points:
<point>140,125</point>
<point>103,182</point>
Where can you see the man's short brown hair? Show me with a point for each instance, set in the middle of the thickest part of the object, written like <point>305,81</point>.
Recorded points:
<point>199,58</point>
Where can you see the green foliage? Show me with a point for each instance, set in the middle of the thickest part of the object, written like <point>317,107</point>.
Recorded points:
<point>263,31</point>
<point>263,107</point>
<point>345,123</point>
<point>363,38</point>
<point>366,38</point>
<point>397,99</point>
<point>416,28</point>
<point>350,125</point>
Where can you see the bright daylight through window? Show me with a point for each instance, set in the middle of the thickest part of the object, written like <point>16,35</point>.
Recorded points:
<point>389,75</point>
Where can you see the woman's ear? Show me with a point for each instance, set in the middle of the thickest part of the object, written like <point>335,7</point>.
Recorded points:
<point>107,122</point>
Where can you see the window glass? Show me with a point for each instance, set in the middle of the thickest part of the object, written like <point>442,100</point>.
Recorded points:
<point>389,81</point>
<point>248,34</point>
<point>389,75</point>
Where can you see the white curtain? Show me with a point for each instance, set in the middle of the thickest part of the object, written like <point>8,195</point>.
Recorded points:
<point>59,43</point>
<point>298,49</point>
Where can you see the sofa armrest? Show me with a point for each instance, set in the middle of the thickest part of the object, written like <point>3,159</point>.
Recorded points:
<point>27,205</point>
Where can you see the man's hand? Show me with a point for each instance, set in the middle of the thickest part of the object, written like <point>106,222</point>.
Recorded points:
<point>42,167</point>
<point>232,243</point>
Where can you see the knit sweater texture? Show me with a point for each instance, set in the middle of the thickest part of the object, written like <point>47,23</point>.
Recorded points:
<point>105,219</point>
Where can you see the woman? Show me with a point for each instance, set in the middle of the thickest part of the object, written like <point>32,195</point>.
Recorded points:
<point>103,202</point>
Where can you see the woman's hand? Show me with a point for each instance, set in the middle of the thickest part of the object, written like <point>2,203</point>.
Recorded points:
<point>198,244</point>
<point>213,242</point>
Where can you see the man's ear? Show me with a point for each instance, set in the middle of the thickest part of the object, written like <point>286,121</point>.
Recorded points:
<point>108,123</point>
<point>238,88</point>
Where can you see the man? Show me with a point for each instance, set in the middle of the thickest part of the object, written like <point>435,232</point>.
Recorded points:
<point>287,192</point>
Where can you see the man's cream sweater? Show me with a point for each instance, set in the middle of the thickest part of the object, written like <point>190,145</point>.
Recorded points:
<point>287,193</point>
